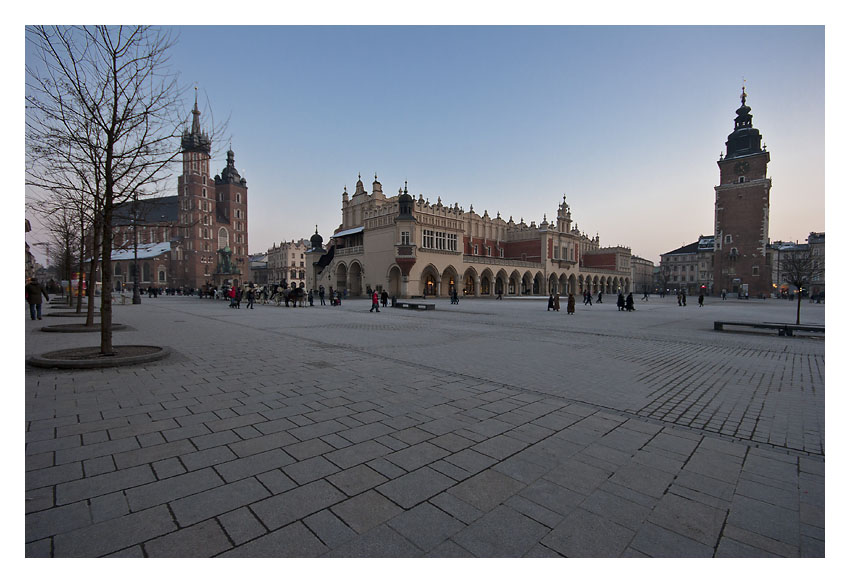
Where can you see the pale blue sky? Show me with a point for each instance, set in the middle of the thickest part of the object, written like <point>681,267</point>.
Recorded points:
<point>628,122</point>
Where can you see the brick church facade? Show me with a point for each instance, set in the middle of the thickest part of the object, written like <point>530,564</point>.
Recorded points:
<point>206,222</point>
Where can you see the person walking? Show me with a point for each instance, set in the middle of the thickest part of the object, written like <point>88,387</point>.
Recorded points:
<point>321,295</point>
<point>375,302</point>
<point>238,298</point>
<point>646,296</point>
<point>630,303</point>
<point>557,304</point>
<point>679,297</point>
<point>34,293</point>
<point>599,297</point>
<point>551,302</point>
<point>684,299</point>
<point>587,298</point>
<point>231,293</point>
<point>385,297</point>
<point>700,299</point>
<point>250,297</point>
<point>621,302</point>
<point>310,297</point>
<point>571,304</point>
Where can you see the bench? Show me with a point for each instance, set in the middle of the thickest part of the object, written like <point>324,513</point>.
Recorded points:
<point>414,305</point>
<point>784,329</point>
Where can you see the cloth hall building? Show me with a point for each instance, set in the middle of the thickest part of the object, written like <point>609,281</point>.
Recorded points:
<point>412,247</point>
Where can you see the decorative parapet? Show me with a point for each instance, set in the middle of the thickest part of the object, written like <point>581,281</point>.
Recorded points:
<point>356,250</point>
<point>500,261</point>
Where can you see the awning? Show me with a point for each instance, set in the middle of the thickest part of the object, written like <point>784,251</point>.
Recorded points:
<point>347,232</point>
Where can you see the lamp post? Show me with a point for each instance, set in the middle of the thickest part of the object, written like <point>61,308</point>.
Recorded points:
<point>137,298</point>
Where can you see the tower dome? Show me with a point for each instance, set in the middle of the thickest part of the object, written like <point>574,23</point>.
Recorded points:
<point>316,240</point>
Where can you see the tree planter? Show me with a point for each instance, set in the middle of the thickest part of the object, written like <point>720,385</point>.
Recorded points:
<point>80,327</point>
<point>90,357</point>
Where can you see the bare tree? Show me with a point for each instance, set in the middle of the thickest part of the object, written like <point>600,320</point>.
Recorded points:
<point>799,267</point>
<point>101,106</point>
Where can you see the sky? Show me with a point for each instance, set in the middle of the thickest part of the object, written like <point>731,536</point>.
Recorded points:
<point>627,121</point>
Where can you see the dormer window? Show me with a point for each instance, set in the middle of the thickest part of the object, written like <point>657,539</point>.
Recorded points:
<point>742,179</point>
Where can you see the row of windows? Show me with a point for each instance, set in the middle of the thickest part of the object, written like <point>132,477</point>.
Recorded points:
<point>564,253</point>
<point>437,240</point>
<point>488,251</point>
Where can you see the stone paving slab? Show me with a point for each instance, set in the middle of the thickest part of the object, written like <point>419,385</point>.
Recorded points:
<point>498,430</point>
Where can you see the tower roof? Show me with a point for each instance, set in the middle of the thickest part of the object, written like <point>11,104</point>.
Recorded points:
<point>230,175</point>
<point>195,140</point>
<point>745,139</point>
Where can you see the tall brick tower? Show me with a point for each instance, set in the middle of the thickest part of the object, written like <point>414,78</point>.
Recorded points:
<point>195,207</point>
<point>231,216</point>
<point>741,212</point>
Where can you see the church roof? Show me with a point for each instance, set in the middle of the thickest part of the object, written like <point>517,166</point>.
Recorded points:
<point>145,251</point>
<point>162,209</point>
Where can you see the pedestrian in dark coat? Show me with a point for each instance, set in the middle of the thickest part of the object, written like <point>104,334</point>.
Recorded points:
<point>385,297</point>
<point>630,303</point>
<point>34,293</point>
<point>551,302</point>
<point>557,304</point>
<point>250,297</point>
<point>571,304</point>
<point>621,302</point>
<point>321,295</point>
<point>700,299</point>
<point>599,297</point>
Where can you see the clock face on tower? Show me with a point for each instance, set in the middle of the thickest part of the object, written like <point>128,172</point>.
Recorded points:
<point>742,167</point>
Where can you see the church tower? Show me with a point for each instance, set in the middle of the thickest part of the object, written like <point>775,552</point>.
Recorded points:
<point>194,207</point>
<point>741,211</point>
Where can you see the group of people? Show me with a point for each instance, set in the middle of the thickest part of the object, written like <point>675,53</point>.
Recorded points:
<point>384,298</point>
<point>555,303</point>
<point>625,304</point>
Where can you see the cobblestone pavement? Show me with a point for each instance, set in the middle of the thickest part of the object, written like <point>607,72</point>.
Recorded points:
<point>486,429</point>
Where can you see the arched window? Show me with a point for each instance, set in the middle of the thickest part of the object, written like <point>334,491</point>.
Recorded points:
<point>162,276</point>
<point>146,272</point>
<point>223,239</point>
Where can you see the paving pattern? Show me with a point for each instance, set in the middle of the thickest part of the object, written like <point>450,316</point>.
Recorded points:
<point>488,429</point>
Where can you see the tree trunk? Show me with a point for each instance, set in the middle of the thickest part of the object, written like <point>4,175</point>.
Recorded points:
<point>80,267</point>
<point>799,299</point>
<point>106,269</point>
<point>93,271</point>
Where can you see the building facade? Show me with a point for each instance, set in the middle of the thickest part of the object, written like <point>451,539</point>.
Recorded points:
<point>742,263</point>
<point>412,247</point>
<point>816,242</point>
<point>689,268</point>
<point>286,262</point>
<point>642,279</point>
<point>206,222</point>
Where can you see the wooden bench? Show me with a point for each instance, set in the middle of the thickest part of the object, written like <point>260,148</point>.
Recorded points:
<point>415,305</point>
<point>784,329</point>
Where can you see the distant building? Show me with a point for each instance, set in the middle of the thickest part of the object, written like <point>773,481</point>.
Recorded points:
<point>642,269</point>
<point>779,249</point>
<point>742,263</point>
<point>689,268</point>
<point>286,262</point>
<point>412,247</point>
